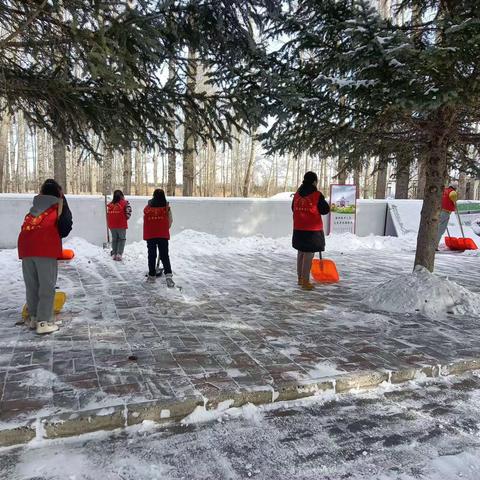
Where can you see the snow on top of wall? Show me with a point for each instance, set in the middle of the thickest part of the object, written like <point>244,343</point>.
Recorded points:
<point>423,292</point>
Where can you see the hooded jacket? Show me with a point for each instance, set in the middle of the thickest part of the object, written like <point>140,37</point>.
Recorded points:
<point>40,236</point>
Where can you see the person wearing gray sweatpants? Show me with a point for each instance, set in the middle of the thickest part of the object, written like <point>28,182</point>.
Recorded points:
<point>119,237</point>
<point>40,277</point>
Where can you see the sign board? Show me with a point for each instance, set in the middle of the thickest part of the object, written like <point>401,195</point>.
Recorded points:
<point>343,208</point>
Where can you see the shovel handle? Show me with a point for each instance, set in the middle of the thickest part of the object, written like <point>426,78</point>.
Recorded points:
<point>459,220</point>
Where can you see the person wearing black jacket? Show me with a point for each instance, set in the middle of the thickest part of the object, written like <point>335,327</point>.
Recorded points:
<point>308,206</point>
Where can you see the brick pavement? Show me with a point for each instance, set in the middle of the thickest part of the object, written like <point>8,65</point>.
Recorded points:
<point>240,325</point>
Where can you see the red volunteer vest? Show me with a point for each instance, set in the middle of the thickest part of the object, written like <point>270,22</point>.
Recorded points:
<point>305,212</point>
<point>116,217</point>
<point>155,222</point>
<point>39,236</point>
<point>447,203</point>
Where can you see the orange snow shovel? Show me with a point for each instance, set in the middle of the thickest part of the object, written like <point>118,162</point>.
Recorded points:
<point>67,254</point>
<point>454,243</point>
<point>324,271</point>
<point>466,243</point>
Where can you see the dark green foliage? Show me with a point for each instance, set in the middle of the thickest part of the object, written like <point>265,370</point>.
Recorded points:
<point>354,83</point>
<point>87,69</point>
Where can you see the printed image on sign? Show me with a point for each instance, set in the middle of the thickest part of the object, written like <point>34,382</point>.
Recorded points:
<point>343,209</point>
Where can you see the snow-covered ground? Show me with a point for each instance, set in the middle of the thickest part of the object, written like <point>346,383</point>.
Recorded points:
<point>423,432</point>
<point>239,322</point>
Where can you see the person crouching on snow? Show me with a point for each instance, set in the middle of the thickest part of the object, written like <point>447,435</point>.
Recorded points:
<point>157,220</point>
<point>39,246</point>
<point>308,206</point>
<point>118,213</point>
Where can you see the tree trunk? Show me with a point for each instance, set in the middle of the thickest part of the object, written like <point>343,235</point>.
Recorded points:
<point>107,171</point>
<point>382,172</point>
<point>4,127</point>
<point>41,156</point>
<point>60,163</point>
<point>127,172</point>
<point>462,185</point>
<point>189,132</point>
<point>403,178</point>
<point>22,157</point>
<point>342,173</point>
<point>248,173</point>
<point>356,180</point>
<point>138,172</point>
<point>435,177</point>
<point>421,177</point>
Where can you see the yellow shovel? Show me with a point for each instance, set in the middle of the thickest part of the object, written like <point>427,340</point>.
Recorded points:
<point>59,302</point>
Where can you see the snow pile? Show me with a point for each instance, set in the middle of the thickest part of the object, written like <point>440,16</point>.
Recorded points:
<point>346,242</point>
<point>423,292</point>
<point>204,244</point>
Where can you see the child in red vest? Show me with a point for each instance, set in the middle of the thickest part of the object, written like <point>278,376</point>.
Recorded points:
<point>118,213</point>
<point>39,246</point>
<point>308,206</point>
<point>157,220</point>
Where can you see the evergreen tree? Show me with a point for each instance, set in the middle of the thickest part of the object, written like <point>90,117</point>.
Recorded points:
<point>77,67</point>
<point>355,82</point>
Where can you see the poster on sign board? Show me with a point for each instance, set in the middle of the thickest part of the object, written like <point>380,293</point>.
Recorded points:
<point>343,208</point>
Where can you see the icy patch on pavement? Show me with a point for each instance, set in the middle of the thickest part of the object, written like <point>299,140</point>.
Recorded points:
<point>423,292</point>
<point>325,369</point>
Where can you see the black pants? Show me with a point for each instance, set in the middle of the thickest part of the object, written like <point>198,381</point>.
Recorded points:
<point>162,244</point>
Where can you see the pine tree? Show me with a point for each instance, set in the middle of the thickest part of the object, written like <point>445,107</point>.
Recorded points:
<point>81,67</point>
<point>355,82</point>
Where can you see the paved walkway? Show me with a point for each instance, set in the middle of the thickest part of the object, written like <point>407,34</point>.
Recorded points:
<point>426,431</point>
<point>240,325</point>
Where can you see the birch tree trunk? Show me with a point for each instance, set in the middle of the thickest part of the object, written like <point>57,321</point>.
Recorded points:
<point>4,127</point>
<point>138,172</point>
<point>189,136</point>
<point>41,155</point>
<point>127,172</point>
<point>248,173</point>
<point>107,171</point>
<point>22,157</point>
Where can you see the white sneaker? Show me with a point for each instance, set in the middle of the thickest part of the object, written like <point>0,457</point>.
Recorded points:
<point>46,327</point>
<point>169,280</point>
<point>119,257</point>
<point>31,323</point>
<point>151,279</point>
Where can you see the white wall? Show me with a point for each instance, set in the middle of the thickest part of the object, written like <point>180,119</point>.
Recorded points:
<point>237,217</point>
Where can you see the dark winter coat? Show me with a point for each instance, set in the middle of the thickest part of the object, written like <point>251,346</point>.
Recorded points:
<point>307,241</point>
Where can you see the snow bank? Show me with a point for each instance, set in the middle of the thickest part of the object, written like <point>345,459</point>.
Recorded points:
<point>423,292</point>
<point>190,242</point>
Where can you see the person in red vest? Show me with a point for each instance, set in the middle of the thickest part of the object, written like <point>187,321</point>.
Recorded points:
<point>39,246</point>
<point>157,220</point>
<point>308,206</point>
<point>449,205</point>
<point>118,213</point>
